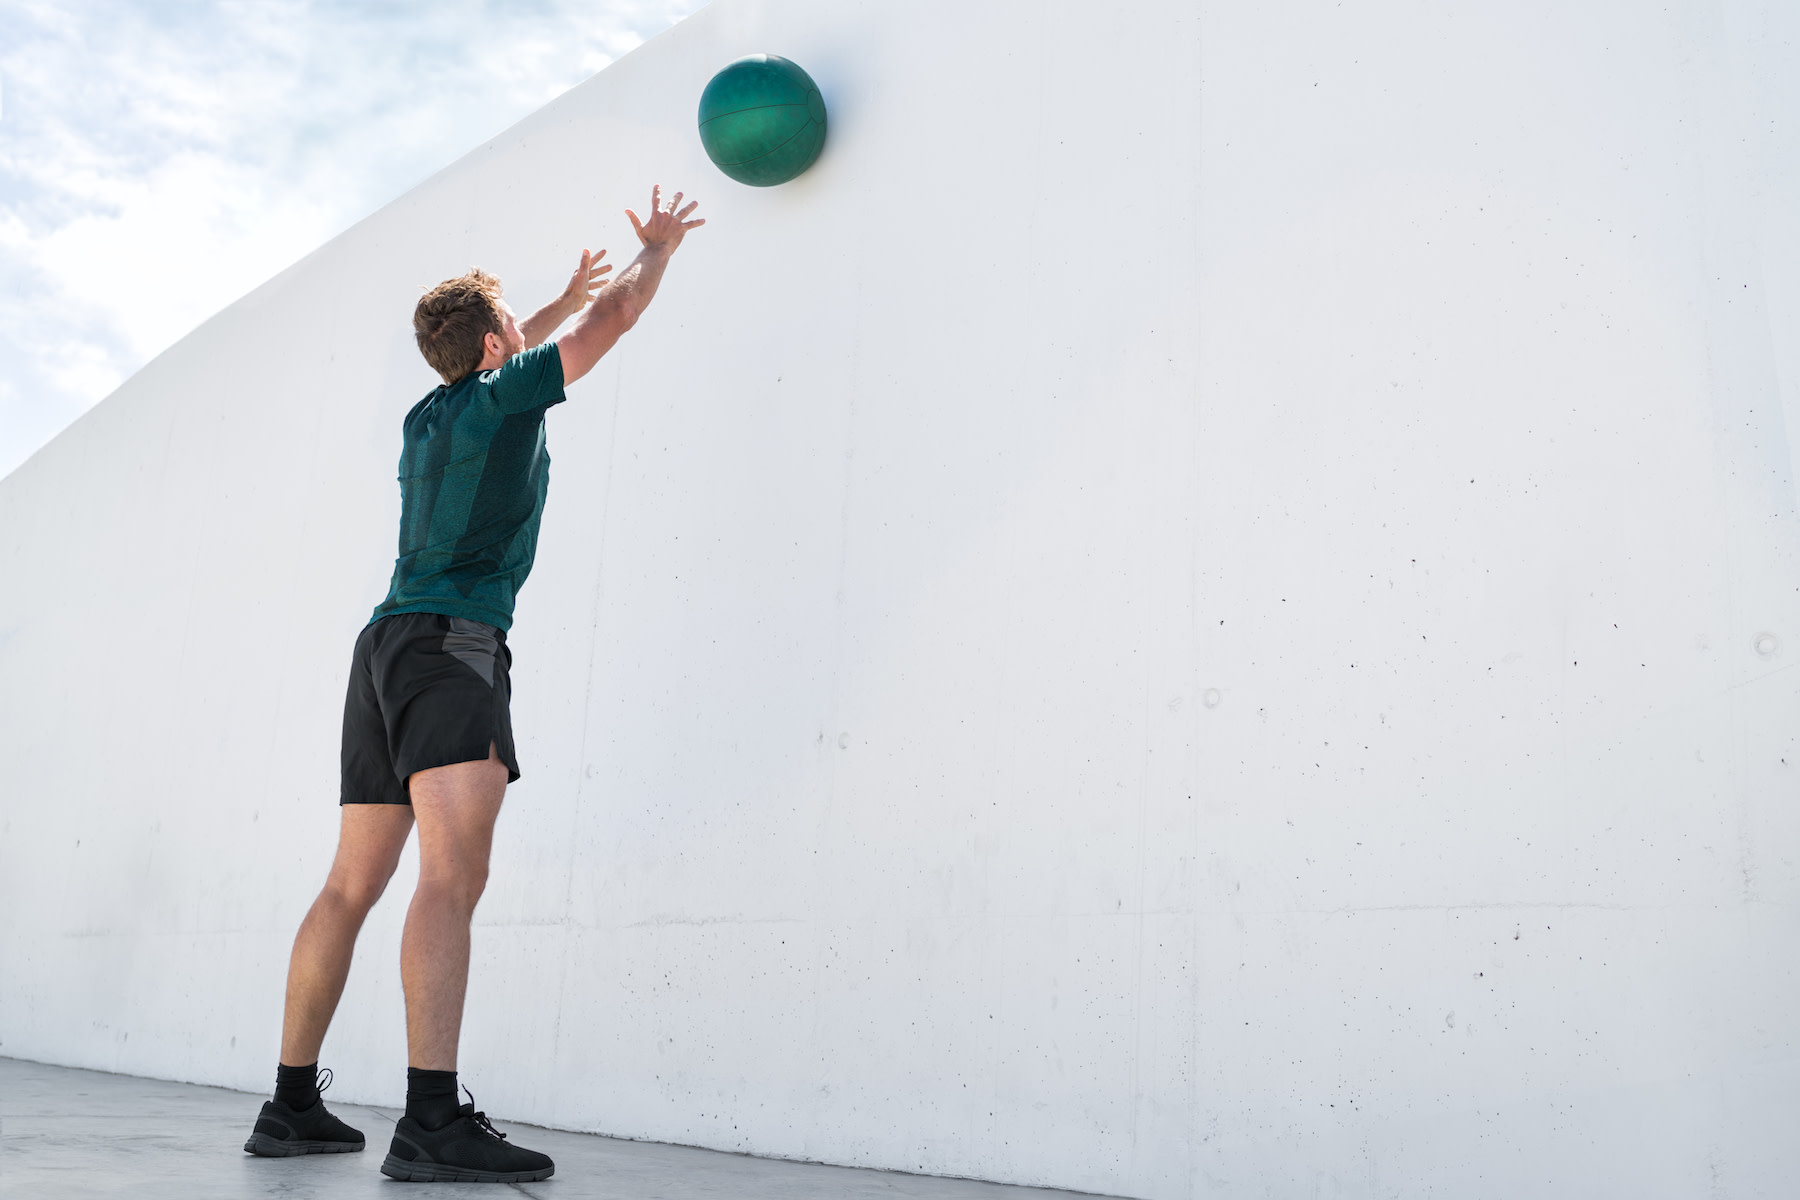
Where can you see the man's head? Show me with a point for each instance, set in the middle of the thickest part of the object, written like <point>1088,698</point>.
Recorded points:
<point>462,324</point>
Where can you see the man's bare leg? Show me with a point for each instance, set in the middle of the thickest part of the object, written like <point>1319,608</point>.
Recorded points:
<point>294,1122</point>
<point>370,838</point>
<point>437,1139</point>
<point>456,807</point>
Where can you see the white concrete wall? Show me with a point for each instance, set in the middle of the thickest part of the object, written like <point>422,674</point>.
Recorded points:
<point>1206,607</point>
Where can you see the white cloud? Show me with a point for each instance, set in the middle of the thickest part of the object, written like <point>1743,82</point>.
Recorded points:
<point>159,161</point>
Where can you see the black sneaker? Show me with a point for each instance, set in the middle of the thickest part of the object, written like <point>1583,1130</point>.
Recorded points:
<point>467,1150</point>
<point>282,1132</point>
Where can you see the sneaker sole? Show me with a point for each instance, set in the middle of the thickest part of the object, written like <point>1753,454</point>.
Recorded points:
<point>264,1146</point>
<point>423,1172</point>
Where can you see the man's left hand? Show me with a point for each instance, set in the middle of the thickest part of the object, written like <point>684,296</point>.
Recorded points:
<point>584,283</point>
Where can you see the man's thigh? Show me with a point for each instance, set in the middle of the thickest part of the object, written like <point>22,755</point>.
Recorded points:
<point>456,807</point>
<point>370,838</point>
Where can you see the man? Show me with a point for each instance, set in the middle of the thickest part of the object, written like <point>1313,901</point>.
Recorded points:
<point>427,731</point>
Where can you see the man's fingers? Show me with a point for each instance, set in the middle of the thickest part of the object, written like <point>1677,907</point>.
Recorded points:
<point>694,224</point>
<point>636,225</point>
<point>682,215</point>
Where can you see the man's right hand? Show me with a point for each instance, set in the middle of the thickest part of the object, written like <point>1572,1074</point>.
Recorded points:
<point>666,227</point>
<point>619,304</point>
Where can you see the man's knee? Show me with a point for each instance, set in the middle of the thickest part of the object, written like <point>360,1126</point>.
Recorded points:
<point>358,890</point>
<point>459,889</point>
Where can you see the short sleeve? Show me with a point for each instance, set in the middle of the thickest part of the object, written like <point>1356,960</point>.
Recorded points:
<point>533,379</point>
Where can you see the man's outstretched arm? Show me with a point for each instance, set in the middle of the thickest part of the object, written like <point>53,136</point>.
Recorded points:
<point>618,307</point>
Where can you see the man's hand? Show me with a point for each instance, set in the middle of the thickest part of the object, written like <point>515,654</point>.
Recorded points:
<point>587,280</point>
<point>584,283</point>
<point>617,308</point>
<point>666,227</point>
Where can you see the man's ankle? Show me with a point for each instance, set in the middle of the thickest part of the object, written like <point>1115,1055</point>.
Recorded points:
<point>297,1087</point>
<point>431,1097</point>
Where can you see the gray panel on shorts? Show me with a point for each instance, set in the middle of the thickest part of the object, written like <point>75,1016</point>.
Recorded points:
<point>474,645</point>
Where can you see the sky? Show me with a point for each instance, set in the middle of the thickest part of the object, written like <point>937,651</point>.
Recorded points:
<point>159,160</point>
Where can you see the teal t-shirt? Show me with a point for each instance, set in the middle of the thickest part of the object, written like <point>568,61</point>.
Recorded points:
<point>473,477</point>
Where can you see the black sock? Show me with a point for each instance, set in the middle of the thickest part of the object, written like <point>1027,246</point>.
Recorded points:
<point>297,1087</point>
<point>431,1097</point>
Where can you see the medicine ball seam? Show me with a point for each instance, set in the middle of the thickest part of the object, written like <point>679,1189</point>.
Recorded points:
<point>755,108</point>
<point>742,161</point>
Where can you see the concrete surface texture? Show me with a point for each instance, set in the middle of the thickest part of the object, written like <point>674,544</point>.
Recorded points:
<point>82,1135</point>
<point>1205,607</point>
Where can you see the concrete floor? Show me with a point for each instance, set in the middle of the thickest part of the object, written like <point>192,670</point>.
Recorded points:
<point>71,1135</point>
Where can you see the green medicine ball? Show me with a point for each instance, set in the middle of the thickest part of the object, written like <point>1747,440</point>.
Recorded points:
<point>762,120</point>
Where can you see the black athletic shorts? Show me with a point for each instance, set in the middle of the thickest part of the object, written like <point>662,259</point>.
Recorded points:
<point>425,691</point>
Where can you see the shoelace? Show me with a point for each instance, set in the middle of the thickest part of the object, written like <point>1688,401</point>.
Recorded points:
<point>481,1119</point>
